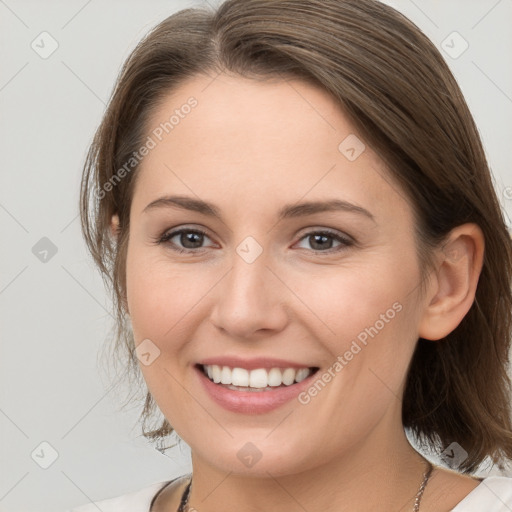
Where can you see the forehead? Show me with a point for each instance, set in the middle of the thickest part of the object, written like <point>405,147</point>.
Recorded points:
<point>278,113</point>
<point>259,143</point>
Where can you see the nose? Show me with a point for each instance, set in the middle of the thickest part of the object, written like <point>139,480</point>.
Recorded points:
<point>250,300</point>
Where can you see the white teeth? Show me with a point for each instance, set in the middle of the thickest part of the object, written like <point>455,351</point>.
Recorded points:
<point>275,377</point>
<point>289,376</point>
<point>302,374</point>
<point>216,372</point>
<point>239,377</point>
<point>259,378</point>
<point>225,375</point>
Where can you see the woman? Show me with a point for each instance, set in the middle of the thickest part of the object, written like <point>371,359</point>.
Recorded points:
<point>292,202</point>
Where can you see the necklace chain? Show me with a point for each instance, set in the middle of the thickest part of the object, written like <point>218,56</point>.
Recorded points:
<point>419,494</point>
<point>186,493</point>
<point>184,498</point>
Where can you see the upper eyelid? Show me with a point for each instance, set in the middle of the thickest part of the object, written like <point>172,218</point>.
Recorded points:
<point>307,230</point>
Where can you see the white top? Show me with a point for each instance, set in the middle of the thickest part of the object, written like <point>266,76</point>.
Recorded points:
<point>493,494</point>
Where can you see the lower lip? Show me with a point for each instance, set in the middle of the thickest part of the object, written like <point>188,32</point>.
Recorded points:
<point>252,402</point>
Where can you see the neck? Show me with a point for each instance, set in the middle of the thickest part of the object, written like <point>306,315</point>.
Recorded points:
<point>380,474</point>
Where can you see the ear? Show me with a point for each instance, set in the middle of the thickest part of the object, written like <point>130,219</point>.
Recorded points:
<point>114,225</point>
<point>114,231</point>
<point>453,286</point>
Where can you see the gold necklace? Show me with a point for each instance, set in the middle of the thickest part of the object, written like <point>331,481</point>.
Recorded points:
<point>186,493</point>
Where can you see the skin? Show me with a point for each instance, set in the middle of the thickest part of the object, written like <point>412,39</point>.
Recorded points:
<point>250,147</point>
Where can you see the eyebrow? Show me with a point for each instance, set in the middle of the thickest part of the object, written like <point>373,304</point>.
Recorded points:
<point>287,212</point>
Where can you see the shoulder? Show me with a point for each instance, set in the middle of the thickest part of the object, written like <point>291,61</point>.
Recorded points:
<point>493,494</point>
<point>138,501</point>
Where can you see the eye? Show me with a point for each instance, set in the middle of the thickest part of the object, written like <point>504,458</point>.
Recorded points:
<point>190,239</point>
<point>322,241</point>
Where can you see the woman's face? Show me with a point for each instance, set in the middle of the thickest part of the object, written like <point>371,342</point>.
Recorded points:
<point>334,288</point>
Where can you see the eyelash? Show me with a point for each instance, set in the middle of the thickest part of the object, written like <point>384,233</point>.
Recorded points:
<point>166,237</point>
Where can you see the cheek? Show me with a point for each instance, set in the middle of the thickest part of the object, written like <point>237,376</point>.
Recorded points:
<point>349,299</point>
<point>367,314</point>
<point>161,298</point>
<point>161,294</point>
<point>370,334</point>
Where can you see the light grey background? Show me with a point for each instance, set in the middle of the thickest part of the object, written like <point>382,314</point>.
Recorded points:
<point>55,314</point>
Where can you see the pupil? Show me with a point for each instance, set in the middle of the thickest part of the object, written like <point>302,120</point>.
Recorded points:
<point>189,237</point>
<point>323,238</point>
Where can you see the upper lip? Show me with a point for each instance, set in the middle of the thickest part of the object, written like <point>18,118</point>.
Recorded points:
<point>253,363</point>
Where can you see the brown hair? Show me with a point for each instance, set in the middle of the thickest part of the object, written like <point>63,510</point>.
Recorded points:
<point>401,97</point>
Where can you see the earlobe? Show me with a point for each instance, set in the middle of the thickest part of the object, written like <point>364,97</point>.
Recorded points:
<point>114,226</point>
<point>460,262</point>
<point>114,232</point>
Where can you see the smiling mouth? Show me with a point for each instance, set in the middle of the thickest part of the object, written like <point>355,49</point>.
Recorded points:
<point>259,379</point>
